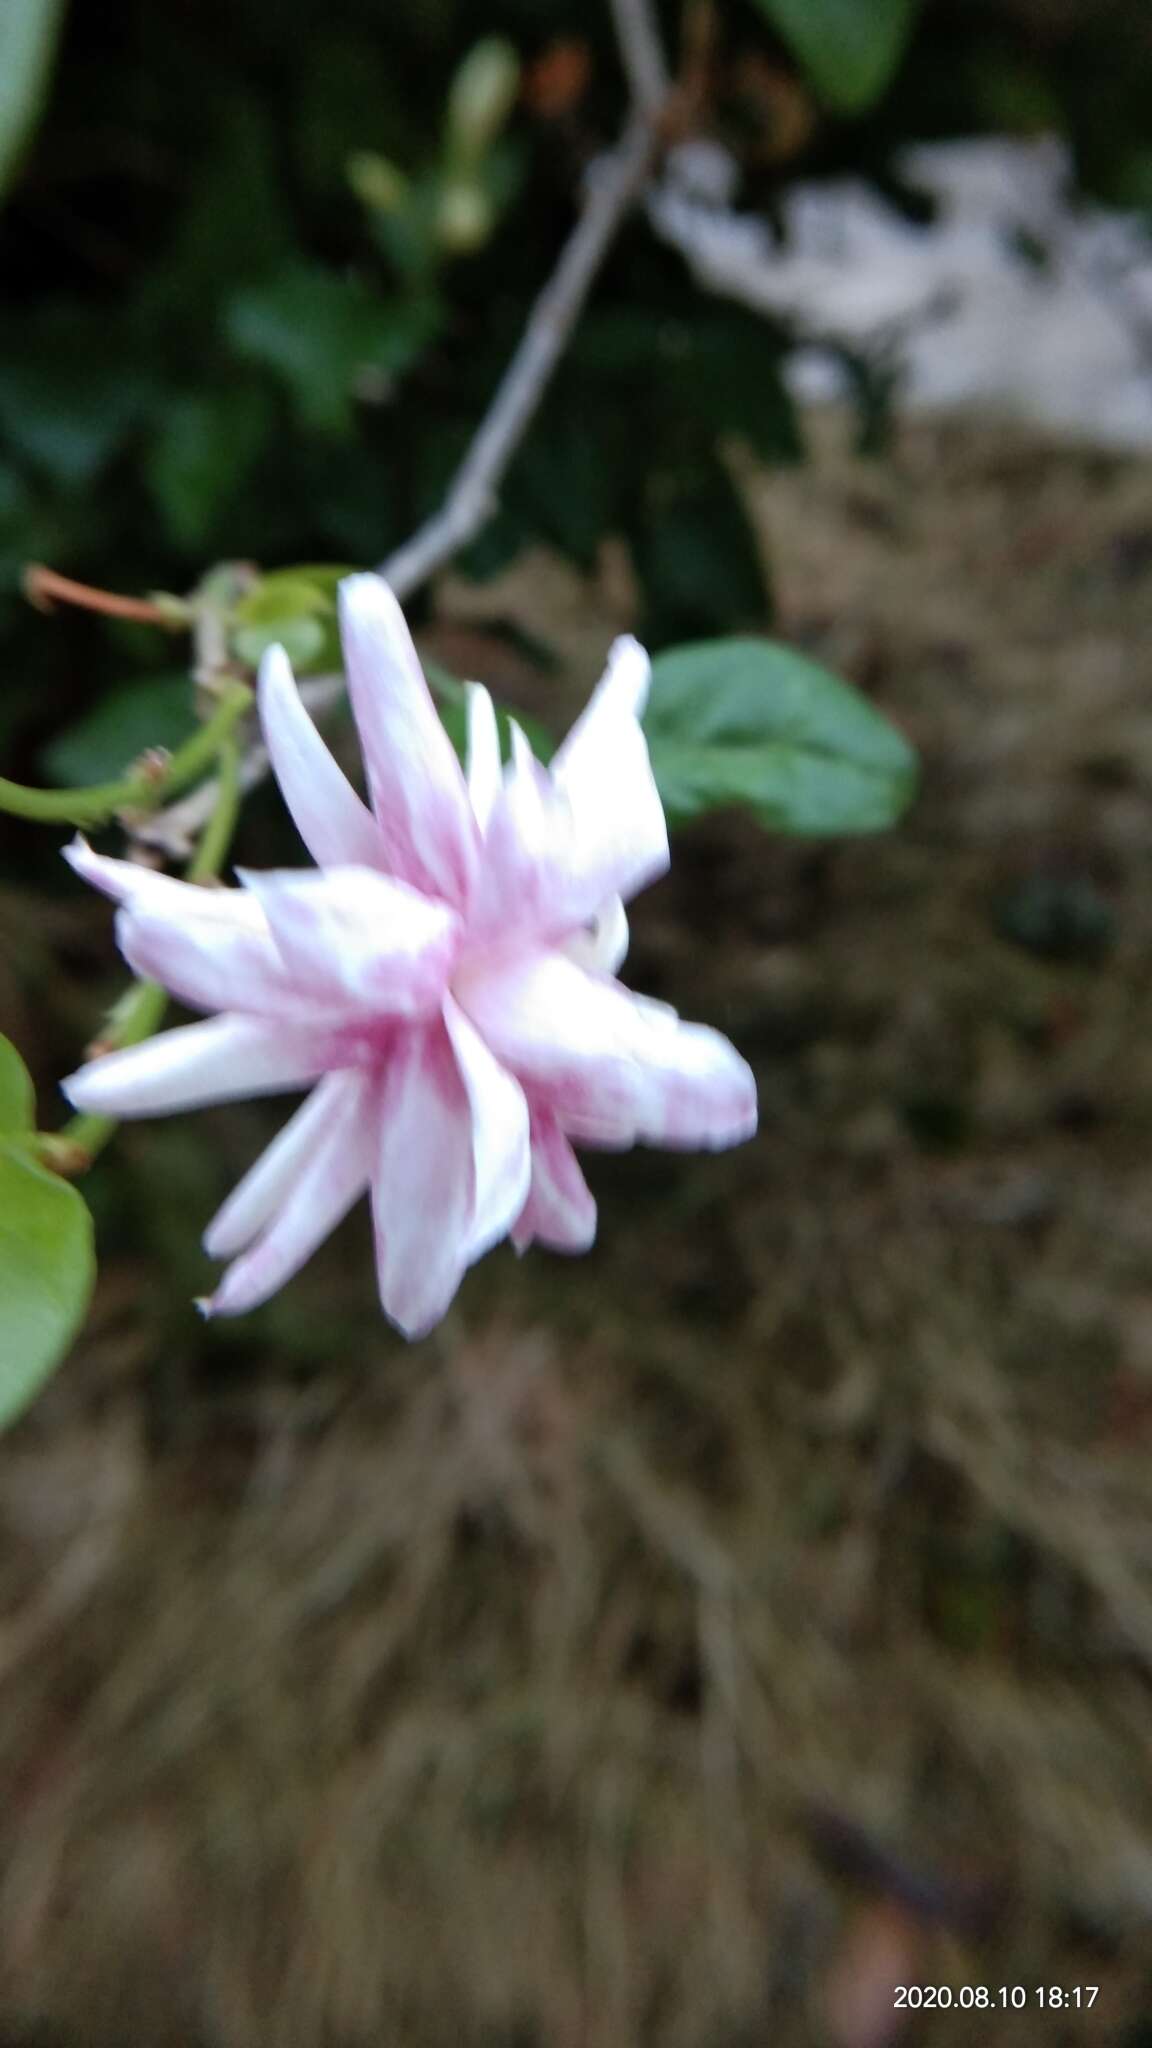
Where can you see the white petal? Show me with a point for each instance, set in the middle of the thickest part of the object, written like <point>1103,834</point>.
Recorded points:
<point>501,1157</point>
<point>333,1176</point>
<point>207,965</point>
<point>561,844</point>
<point>330,818</point>
<point>132,885</point>
<point>217,1061</point>
<point>484,767</point>
<point>349,936</point>
<point>602,946</point>
<point>612,1067</point>
<point>267,1185</point>
<point>603,772</point>
<point>416,783</point>
<point>560,1210</point>
<point>452,1169</point>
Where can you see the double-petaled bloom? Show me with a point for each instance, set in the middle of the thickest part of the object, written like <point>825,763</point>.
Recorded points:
<point>442,982</point>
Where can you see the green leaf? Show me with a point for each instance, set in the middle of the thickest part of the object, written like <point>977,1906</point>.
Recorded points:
<point>46,1272</point>
<point>750,722</point>
<point>696,554</point>
<point>158,712</point>
<point>849,48</point>
<point>205,444</point>
<point>321,334</point>
<point>17,1095</point>
<point>293,608</point>
<point>28,35</point>
<point>71,389</point>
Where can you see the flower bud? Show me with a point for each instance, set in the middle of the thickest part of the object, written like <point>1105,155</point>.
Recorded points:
<point>464,218</point>
<point>480,99</point>
<point>379,184</point>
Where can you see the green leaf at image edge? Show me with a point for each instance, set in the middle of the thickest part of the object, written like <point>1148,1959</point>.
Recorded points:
<point>752,723</point>
<point>28,34</point>
<point>47,1267</point>
<point>17,1096</point>
<point>849,48</point>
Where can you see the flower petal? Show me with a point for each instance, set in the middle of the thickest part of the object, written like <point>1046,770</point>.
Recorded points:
<point>267,1185</point>
<point>417,787</point>
<point>560,1210</point>
<point>501,1151</point>
<point>209,947</point>
<point>333,1175</point>
<point>603,772</point>
<point>613,1068</point>
<point>351,937</point>
<point>129,883</point>
<point>216,1061</point>
<point>561,844</point>
<point>451,1171</point>
<point>331,819</point>
<point>208,965</point>
<point>485,772</point>
<point>602,945</point>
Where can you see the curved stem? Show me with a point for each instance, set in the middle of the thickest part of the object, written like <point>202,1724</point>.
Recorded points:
<point>94,806</point>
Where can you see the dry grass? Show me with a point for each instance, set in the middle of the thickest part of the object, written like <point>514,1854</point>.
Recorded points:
<point>687,1643</point>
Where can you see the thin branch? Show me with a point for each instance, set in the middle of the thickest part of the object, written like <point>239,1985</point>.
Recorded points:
<point>642,55</point>
<point>617,182</point>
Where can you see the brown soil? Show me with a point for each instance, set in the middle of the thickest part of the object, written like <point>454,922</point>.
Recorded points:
<point>689,1644</point>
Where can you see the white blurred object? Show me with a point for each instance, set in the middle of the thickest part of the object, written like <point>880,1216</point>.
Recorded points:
<point>1015,298</point>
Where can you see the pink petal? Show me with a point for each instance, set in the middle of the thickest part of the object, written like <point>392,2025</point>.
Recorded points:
<point>561,844</point>
<point>613,1068</point>
<point>501,1161</point>
<point>560,1210</point>
<point>351,937</point>
<point>330,818</point>
<point>210,947</point>
<point>602,945</point>
<point>127,882</point>
<point>217,1061</point>
<point>267,1185</point>
<point>417,787</point>
<point>485,771</point>
<point>332,1176</point>
<point>451,1172</point>
<point>208,965</point>
<point>603,773</point>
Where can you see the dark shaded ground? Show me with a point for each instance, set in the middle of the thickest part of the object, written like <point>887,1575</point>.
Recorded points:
<point>688,1644</point>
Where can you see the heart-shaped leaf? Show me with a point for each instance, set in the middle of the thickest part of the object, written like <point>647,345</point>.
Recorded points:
<point>750,722</point>
<point>46,1272</point>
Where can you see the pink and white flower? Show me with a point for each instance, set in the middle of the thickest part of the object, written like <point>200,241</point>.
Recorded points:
<point>442,983</point>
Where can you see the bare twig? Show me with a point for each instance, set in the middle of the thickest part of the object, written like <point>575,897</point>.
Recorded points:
<point>472,497</point>
<point>614,185</point>
<point>642,55</point>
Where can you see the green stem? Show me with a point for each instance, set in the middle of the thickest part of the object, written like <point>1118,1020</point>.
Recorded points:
<point>140,1010</point>
<point>216,837</point>
<point>141,792</point>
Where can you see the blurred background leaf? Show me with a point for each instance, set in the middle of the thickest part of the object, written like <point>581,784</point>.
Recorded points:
<point>28,34</point>
<point>47,1265</point>
<point>849,48</point>
<point>753,723</point>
